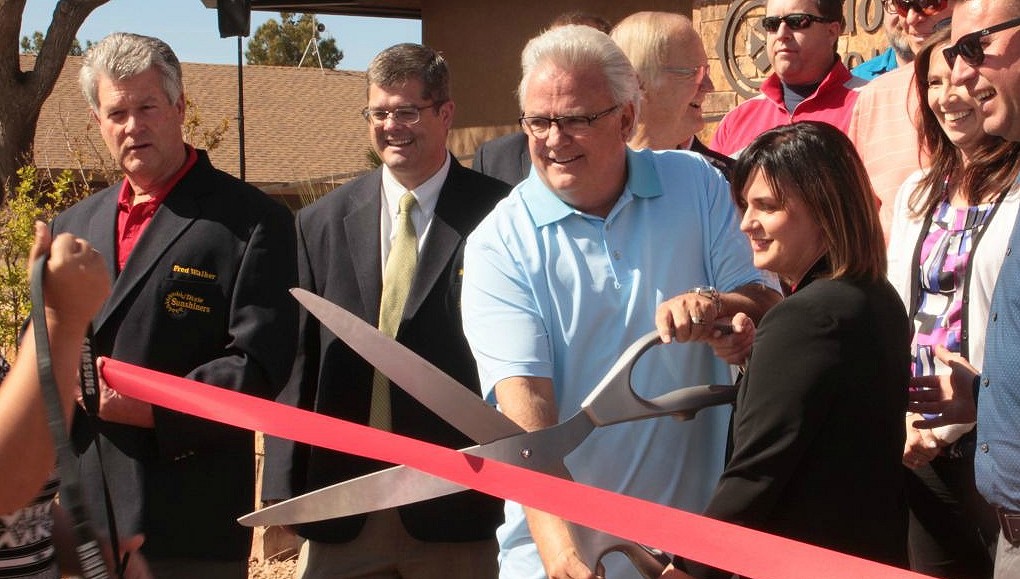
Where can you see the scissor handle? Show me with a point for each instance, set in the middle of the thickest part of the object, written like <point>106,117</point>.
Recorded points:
<point>614,400</point>
<point>594,545</point>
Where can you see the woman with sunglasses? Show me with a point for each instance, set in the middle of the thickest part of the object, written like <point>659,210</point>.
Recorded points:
<point>950,229</point>
<point>816,429</point>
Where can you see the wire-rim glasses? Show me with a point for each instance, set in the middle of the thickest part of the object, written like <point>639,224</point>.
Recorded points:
<point>697,73</point>
<point>405,115</point>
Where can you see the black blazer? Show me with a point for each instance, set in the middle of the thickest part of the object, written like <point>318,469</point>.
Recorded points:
<point>818,425</point>
<point>717,159</point>
<point>203,295</point>
<point>506,158</point>
<point>339,259</point>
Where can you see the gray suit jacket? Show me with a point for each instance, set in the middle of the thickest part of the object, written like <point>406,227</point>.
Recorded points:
<point>506,158</point>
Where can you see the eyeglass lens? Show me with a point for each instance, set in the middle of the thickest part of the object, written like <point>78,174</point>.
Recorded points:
<point>794,21</point>
<point>570,125</point>
<point>695,73</point>
<point>402,115</point>
<point>969,47</point>
<point>925,7</point>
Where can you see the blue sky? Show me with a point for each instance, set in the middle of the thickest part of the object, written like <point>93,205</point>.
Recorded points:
<point>191,29</point>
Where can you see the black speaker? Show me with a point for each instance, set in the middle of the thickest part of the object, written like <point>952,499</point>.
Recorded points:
<point>234,17</point>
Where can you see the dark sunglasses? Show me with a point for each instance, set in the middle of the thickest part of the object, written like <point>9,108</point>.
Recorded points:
<point>969,47</point>
<point>926,7</point>
<point>793,21</point>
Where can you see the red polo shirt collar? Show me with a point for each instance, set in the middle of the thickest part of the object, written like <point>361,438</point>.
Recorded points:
<point>133,219</point>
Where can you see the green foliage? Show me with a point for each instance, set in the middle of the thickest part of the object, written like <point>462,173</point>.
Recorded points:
<point>34,197</point>
<point>283,43</point>
<point>40,195</point>
<point>33,44</point>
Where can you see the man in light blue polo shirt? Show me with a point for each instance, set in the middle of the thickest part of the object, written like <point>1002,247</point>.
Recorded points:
<point>567,272</point>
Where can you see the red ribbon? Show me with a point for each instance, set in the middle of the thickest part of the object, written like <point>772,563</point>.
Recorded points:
<point>737,549</point>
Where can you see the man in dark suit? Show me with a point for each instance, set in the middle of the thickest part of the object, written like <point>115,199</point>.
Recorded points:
<point>505,158</point>
<point>346,240</point>
<point>202,263</point>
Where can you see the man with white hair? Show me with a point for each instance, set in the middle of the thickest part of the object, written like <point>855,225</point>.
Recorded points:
<point>567,272</point>
<point>672,67</point>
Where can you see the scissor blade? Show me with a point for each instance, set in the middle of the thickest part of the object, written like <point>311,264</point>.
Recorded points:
<point>384,489</point>
<point>542,450</point>
<point>449,399</point>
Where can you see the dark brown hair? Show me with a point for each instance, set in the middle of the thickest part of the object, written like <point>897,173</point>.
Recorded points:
<point>818,164</point>
<point>403,62</point>
<point>993,166</point>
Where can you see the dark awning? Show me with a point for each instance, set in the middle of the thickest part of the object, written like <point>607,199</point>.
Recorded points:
<point>379,8</point>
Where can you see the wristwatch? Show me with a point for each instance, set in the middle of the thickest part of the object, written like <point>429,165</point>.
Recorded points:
<point>710,293</point>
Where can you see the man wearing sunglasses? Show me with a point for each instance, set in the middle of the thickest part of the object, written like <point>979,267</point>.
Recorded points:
<point>809,82</point>
<point>882,126</point>
<point>985,58</point>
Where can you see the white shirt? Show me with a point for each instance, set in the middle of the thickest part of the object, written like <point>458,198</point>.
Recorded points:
<point>427,195</point>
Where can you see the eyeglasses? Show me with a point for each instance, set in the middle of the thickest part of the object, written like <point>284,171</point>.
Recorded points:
<point>793,21</point>
<point>969,47</point>
<point>925,7</point>
<point>409,115</point>
<point>688,72</point>
<point>569,124</point>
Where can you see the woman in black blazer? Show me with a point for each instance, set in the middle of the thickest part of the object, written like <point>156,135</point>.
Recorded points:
<point>817,432</point>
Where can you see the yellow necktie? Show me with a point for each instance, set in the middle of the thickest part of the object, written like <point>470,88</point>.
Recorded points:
<point>397,277</point>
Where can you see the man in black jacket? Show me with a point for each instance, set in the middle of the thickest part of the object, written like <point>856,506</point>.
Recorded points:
<point>201,264</point>
<point>345,241</point>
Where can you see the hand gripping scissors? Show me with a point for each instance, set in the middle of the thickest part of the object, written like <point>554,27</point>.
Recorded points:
<point>612,401</point>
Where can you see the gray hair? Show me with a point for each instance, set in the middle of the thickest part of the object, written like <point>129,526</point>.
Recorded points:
<point>403,62</point>
<point>576,47</point>
<point>123,55</point>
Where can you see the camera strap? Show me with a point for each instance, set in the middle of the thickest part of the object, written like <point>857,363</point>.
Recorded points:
<point>87,549</point>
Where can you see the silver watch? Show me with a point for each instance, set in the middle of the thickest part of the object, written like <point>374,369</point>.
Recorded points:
<point>710,293</point>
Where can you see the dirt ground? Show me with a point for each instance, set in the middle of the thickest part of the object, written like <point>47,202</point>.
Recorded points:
<point>272,569</point>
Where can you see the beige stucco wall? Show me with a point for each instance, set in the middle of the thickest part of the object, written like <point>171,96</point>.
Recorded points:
<point>483,42</point>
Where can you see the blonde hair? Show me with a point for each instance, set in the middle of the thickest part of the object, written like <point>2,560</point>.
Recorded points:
<point>645,38</point>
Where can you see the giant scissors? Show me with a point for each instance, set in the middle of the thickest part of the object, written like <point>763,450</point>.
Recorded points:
<point>612,401</point>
